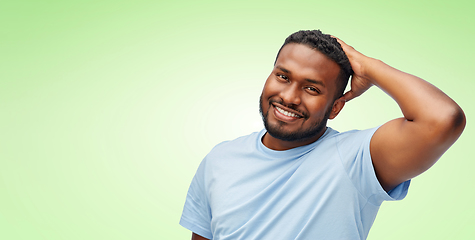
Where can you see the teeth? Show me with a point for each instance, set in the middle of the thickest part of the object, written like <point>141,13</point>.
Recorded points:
<point>286,113</point>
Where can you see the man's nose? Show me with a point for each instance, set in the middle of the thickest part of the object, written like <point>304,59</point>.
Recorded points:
<point>291,95</point>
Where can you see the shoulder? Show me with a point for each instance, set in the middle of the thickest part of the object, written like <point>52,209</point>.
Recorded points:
<point>348,138</point>
<point>354,138</point>
<point>354,153</point>
<point>233,149</point>
<point>354,146</point>
<point>353,135</point>
<point>239,144</point>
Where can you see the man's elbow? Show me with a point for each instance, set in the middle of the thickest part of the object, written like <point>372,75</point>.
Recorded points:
<point>451,123</point>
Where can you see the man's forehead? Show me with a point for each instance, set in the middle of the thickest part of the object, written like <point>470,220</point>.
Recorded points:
<point>300,56</point>
<point>300,48</point>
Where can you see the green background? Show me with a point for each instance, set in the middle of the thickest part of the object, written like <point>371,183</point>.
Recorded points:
<point>107,107</point>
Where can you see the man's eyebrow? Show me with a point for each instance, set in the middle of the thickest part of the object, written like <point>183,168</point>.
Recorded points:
<point>283,69</point>
<point>315,82</point>
<point>318,82</point>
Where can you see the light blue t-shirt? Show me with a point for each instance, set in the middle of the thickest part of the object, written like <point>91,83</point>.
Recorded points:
<point>324,190</point>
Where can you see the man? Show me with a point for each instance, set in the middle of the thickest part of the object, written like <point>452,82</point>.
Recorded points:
<point>297,178</point>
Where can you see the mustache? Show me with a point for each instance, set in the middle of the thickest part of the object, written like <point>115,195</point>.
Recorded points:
<point>290,106</point>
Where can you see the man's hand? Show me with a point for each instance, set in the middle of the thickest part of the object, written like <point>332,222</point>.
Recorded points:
<point>405,147</point>
<point>359,82</point>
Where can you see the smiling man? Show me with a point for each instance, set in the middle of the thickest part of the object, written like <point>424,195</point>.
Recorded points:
<point>297,178</point>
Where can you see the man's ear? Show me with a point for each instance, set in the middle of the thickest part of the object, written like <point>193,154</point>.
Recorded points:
<point>337,106</point>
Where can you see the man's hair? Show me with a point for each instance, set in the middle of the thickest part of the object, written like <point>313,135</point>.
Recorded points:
<point>330,47</point>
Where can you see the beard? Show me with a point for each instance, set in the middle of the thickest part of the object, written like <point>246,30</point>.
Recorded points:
<point>277,130</point>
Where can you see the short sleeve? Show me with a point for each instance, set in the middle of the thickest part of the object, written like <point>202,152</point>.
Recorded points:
<point>354,150</point>
<point>196,215</point>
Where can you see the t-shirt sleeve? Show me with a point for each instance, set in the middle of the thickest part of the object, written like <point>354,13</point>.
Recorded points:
<point>196,215</point>
<point>354,150</point>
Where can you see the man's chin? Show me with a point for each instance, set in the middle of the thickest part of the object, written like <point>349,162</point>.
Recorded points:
<point>288,136</point>
<point>283,137</point>
<point>277,131</point>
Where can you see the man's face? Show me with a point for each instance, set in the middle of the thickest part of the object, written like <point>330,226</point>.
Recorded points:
<point>298,96</point>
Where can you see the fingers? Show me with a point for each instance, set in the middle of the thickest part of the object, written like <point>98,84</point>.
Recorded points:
<point>340,41</point>
<point>336,38</point>
<point>351,95</point>
<point>343,44</point>
<point>355,92</point>
<point>348,96</point>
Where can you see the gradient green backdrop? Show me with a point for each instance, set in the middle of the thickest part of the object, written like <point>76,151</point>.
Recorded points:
<point>107,107</point>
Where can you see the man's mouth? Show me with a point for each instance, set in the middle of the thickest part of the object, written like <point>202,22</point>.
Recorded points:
<point>287,113</point>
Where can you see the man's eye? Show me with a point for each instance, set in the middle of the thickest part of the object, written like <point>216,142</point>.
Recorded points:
<point>312,89</point>
<point>283,77</point>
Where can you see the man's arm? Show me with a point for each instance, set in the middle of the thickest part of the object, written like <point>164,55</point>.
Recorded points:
<point>405,147</point>
<point>197,237</point>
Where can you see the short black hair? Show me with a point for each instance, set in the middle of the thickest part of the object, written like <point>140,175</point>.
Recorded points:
<point>330,47</point>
